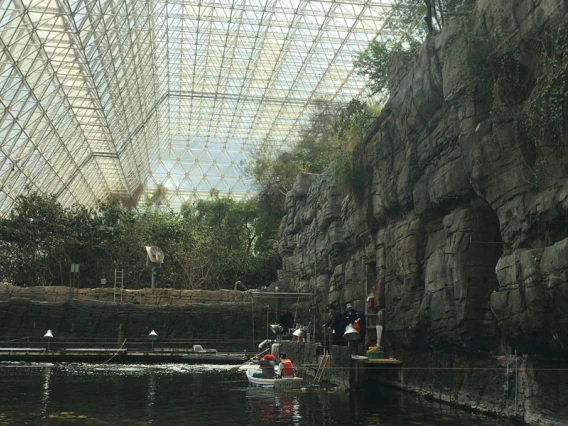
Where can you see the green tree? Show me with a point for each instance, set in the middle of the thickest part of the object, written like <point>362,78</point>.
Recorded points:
<point>158,196</point>
<point>329,138</point>
<point>101,240</point>
<point>410,22</point>
<point>547,108</point>
<point>352,124</point>
<point>274,172</point>
<point>210,244</point>
<point>239,238</point>
<point>32,239</point>
<point>317,144</point>
<point>351,128</point>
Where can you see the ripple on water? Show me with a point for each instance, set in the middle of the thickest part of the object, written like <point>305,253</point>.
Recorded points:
<point>188,394</point>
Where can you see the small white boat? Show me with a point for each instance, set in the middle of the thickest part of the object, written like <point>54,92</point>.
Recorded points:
<point>278,383</point>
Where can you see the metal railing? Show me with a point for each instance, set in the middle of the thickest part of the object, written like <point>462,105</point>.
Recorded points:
<point>129,344</point>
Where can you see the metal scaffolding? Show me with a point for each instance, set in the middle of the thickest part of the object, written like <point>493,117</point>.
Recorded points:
<point>101,97</point>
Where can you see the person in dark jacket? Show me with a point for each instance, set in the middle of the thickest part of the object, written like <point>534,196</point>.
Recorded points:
<point>267,364</point>
<point>361,326</point>
<point>349,316</point>
<point>335,325</point>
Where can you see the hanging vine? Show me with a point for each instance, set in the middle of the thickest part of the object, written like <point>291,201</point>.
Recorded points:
<point>547,107</point>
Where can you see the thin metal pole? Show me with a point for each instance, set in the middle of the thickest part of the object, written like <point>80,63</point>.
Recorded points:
<point>516,382</point>
<point>314,322</point>
<point>507,376</point>
<point>365,295</point>
<point>252,316</point>
<point>267,319</point>
<point>315,272</point>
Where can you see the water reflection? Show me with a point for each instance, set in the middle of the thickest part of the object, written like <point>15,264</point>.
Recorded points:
<point>270,406</point>
<point>290,409</point>
<point>151,394</point>
<point>46,390</point>
<point>175,394</point>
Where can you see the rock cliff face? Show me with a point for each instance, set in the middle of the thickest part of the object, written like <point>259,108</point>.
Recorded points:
<point>461,236</point>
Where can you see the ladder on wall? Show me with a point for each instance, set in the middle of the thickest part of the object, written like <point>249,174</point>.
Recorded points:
<point>118,283</point>
<point>321,368</point>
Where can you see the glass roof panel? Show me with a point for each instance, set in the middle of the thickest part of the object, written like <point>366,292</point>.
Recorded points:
<point>102,96</point>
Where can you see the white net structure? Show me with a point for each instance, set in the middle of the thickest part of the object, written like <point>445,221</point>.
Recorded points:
<point>104,97</point>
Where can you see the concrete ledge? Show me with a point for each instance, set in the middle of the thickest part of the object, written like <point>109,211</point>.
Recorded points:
<point>381,361</point>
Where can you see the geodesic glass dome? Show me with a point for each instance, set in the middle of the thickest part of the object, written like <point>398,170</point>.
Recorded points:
<point>104,97</point>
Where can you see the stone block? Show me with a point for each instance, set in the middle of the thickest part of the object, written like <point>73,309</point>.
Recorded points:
<point>554,258</point>
<point>322,283</point>
<point>538,299</point>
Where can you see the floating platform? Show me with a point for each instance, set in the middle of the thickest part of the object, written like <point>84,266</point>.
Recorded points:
<point>118,356</point>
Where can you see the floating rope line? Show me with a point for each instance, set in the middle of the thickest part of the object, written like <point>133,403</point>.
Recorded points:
<point>15,340</point>
<point>116,353</point>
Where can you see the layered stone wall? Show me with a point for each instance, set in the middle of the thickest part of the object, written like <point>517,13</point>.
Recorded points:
<point>153,297</point>
<point>461,235</point>
<point>213,325</point>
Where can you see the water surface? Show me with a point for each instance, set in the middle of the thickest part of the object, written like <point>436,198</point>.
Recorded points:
<point>176,394</point>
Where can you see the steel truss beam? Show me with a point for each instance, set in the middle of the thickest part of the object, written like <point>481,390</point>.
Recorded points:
<point>102,96</point>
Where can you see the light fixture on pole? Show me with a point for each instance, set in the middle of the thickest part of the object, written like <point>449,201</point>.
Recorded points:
<point>48,335</point>
<point>155,256</point>
<point>299,334</point>
<point>276,329</point>
<point>153,336</point>
<point>351,334</point>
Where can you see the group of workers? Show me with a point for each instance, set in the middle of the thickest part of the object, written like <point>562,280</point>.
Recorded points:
<point>269,369</point>
<point>338,322</point>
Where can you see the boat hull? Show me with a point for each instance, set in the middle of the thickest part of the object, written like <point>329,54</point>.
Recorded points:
<point>280,383</point>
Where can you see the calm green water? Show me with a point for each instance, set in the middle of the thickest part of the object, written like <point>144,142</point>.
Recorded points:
<point>197,395</point>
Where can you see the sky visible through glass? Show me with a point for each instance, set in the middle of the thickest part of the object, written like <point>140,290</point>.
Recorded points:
<point>102,96</point>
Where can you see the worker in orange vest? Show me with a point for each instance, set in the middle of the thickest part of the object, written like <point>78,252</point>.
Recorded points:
<point>285,368</point>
